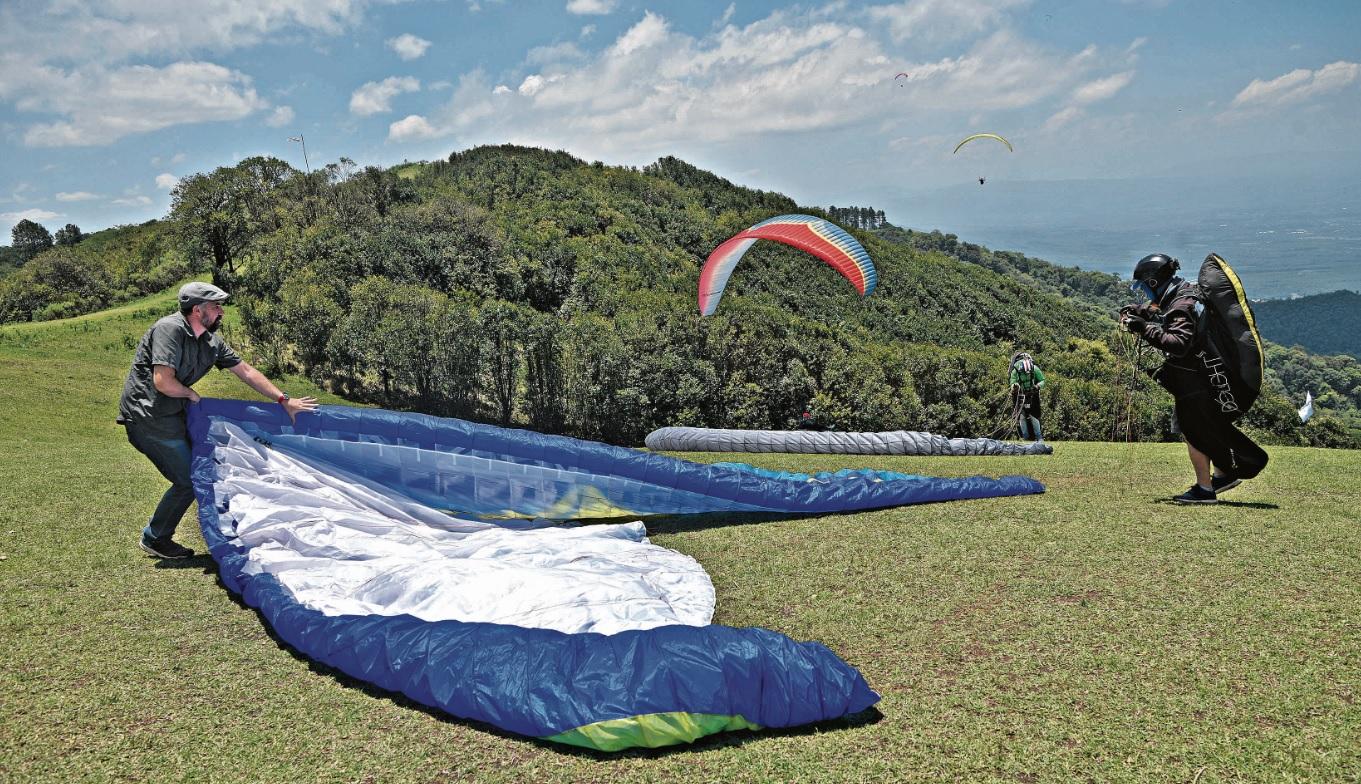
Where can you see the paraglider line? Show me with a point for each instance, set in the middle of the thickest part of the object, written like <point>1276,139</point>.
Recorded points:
<point>1010,423</point>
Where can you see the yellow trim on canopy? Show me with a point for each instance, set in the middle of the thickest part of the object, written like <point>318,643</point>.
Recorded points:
<point>984,136</point>
<point>650,730</point>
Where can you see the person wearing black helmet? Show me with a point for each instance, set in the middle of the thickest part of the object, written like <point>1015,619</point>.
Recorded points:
<point>1173,321</point>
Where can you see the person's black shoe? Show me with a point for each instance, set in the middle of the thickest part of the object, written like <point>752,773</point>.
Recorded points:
<point>1222,483</point>
<point>165,548</point>
<point>1196,495</point>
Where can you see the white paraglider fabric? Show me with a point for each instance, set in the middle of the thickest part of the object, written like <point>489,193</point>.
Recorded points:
<point>346,546</point>
<point>1307,410</point>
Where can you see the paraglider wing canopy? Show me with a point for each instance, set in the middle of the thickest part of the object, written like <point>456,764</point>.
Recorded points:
<point>812,235</point>
<point>984,136</point>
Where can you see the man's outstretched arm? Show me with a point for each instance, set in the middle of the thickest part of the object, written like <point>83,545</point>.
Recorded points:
<point>257,381</point>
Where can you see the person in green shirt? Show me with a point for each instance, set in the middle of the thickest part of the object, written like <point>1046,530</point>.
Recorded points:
<point>172,356</point>
<point>1026,380</point>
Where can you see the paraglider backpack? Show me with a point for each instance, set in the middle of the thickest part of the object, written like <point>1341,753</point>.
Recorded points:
<point>1232,355</point>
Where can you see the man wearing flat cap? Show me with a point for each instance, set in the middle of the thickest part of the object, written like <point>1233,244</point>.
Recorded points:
<point>172,356</point>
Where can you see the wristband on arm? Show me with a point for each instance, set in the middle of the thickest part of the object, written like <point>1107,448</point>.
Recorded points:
<point>282,399</point>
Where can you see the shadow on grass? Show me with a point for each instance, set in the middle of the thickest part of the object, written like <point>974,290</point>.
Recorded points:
<point>1234,504</point>
<point>201,561</point>
<point>679,524</point>
<point>730,738</point>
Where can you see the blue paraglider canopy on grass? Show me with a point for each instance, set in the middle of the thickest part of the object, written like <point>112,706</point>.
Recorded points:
<point>427,556</point>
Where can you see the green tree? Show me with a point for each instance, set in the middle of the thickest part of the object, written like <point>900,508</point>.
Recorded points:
<point>69,235</point>
<point>56,284</point>
<point>502,326</point>
<point>219,214</point>
<point>30,238</point>
<point>545,381</point>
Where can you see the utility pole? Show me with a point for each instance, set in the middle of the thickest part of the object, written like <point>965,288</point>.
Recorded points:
<point>301,140</point>
<point>311,203</point>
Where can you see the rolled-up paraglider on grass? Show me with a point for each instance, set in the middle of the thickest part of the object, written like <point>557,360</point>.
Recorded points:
<point>894,442</point>
<point>425,556</point>
<point>815,236</point>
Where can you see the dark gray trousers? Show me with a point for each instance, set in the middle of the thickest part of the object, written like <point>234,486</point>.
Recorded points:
<point>171,456</point>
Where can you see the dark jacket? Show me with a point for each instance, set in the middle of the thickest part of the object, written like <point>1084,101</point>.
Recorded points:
<point>1175,327</point>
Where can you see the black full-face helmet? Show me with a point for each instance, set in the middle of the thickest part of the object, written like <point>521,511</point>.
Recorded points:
<point>1152,274</point>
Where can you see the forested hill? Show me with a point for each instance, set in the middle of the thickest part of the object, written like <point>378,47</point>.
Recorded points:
<point>1099,293</point>
<point>529,287</point>
<point>1322,323</point>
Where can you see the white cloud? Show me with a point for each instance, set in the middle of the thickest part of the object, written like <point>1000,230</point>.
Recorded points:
<point>1062,118</point>
<point>1101,89</point>
<point>1001,71</point>
<point>408,46</point>
<point>19,194</point>
<point>37,216</point>
<point>133,201</point>
<point>531,85</point>
<point>651,30</point>
<point>77,196</point>
<point>101,106</point>
<point>655,90</point>
<point>1296,86</point>
<point>376,97</point>
<point>110,31</point>
<point>590,6</point>
<point>166,181</point>
<point>8,219</point>
<point>587,31</point>
<point>413,127</point>
<point>939,20</point>
<point>281,116</point>
<point>85,60</point>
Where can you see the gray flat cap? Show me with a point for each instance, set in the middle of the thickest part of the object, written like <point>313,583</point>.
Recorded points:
<point>197,293</point>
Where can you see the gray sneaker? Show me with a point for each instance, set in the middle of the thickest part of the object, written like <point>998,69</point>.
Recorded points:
<point>164,548</point>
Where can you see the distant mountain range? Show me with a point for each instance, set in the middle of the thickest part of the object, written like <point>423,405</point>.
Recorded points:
<point>1322,323</point>
<point>1293,236</point>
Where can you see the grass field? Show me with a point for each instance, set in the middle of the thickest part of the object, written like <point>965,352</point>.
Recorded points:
<point>1094,633</point>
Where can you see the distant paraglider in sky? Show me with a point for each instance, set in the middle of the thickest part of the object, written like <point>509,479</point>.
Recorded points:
<point>968,139</point>
<point>902,75</point>
<point>816,236</point>
<point>994,136</point>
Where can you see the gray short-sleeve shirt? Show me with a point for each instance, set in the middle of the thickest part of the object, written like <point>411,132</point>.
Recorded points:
<point>171,342</point>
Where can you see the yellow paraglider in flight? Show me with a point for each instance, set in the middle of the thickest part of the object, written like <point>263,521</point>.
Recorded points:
<point>984,136</point>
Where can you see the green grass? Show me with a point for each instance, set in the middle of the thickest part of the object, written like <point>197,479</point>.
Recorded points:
<point>1092,633</point>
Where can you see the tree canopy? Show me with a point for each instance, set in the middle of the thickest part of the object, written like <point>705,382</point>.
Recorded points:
<point>30,238</point>
<point>528,287</point>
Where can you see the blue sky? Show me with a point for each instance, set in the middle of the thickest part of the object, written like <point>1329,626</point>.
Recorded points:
<point>104,103</point>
